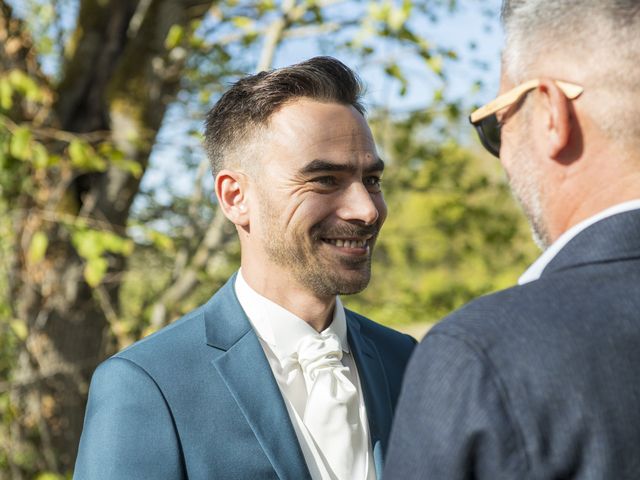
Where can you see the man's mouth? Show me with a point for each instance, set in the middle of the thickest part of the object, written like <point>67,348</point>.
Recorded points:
<point>348,242</point>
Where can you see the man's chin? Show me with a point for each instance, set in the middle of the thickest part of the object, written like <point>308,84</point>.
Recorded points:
<point>352,283</point>
<point>330,282</point>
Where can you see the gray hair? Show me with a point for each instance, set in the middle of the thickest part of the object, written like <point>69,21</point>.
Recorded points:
<point>597,40</point>
<point>234,123</point>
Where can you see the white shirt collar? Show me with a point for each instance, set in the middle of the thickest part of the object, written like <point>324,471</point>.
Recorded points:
<point>277,326</point>
<point>536,269</point>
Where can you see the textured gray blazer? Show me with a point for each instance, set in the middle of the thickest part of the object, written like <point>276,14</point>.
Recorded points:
<point>198,401</point>
<point>540,381</point>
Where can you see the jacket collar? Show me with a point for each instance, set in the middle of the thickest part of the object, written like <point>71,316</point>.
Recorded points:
<point>246,372</point>
<point>375,387</point>
<point>614,238</point>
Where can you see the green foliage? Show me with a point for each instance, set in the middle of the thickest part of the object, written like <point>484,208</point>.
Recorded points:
<point>174,37</point>
<point>18,83</point>
<point>52,476</point>
<point>84,157</point>
<point>20,144</point>
<point>107,154</point>
<point>93,246</point>
<point>38,247</point>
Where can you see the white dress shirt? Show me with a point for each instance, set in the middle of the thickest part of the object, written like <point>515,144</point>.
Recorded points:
<point>536,269</point>
<point>279,332</point>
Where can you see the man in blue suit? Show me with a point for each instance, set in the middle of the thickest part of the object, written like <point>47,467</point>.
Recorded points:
<point>542,381</point>
<point>272,378</point>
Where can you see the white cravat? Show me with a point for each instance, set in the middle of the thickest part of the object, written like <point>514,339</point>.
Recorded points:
<point>331,413</point>
<point>280,332</point>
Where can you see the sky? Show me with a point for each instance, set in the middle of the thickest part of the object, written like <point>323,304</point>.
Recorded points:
<point>474,22</point>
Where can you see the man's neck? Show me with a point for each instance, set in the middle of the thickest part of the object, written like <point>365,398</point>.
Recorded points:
<point>582,202</point>
<point>280,288</point>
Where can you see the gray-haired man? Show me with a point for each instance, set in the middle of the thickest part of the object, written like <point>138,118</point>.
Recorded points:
<point>542,381</point>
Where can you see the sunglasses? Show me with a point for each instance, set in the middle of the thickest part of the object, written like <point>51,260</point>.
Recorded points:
<point>486,122</point>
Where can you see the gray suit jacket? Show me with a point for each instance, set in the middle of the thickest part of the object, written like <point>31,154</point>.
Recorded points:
<point>198,400</point>
<point>540,381</point>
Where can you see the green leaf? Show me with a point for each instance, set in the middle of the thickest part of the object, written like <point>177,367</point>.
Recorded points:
<point>266,6</point>
<point>174,37</point>
<point>243,23</point>
<point>95,270</point>
<point>92,244</point>
<point>87,244</point>
<point>19,147</point>
<point>116,158</point>
<point>6,94</point>
<point>19,328</point>
<point>38,247</point>
<point>436,64</point>
<point>77,153</point>
<point>115,243</point>
<point>163,242</point>
<point>40,157</point>
<point>131,166</point>
<point>82,155</point>
<point>397,17</point>
<point>394,71</point>
<point>50,476</point>
<point>26,85</point>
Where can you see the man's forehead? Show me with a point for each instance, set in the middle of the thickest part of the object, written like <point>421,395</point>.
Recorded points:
<point>309,123</point>
<point>307,112</point>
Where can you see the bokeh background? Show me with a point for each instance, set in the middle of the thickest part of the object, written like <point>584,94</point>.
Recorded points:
<point>108,224</point>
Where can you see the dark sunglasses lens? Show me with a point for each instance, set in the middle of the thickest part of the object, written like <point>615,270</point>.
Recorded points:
<point>490,134</point>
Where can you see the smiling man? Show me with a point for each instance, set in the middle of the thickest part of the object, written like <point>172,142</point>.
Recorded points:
<point>273,377</point>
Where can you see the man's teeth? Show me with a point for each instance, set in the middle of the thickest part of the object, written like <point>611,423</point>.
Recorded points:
<point>347,243</point>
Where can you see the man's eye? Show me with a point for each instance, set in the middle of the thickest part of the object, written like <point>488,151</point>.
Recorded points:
<point>327,181</point>
<point>373,182</point>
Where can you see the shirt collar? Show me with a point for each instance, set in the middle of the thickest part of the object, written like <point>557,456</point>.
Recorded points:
<point>535,270</point>
<point>277,326</point>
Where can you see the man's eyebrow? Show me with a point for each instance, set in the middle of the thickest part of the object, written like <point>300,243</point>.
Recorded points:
<point>377,166</point>
<point>318,166</point>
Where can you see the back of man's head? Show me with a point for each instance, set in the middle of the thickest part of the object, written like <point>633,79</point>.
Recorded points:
<point>233,125</point>
<point>594,43</point>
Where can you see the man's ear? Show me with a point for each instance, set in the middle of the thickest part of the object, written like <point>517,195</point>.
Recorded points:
<point>559,122</point>
<point>231,190</point>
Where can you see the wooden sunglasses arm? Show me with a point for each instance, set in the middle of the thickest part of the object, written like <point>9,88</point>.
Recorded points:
<point>571,91</point>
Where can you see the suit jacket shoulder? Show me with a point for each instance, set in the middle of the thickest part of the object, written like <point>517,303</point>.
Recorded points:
<point>536,381</point>
<point>192,399</point>
<point>194,395</point>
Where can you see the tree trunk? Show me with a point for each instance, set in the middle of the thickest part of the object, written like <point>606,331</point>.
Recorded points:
<point>119,79</point>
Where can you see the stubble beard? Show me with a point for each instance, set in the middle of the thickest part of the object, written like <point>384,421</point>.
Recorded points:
<point>303,259</point>
<point>524,181</point>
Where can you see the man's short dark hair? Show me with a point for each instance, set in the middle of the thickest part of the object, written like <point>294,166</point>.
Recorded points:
<point>251,101</point>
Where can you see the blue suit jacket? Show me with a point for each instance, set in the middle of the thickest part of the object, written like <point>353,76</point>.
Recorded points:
<point>198,400</point>
<point>540,381</point>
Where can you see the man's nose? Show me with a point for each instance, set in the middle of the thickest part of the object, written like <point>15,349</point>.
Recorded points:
<point>357,205</point>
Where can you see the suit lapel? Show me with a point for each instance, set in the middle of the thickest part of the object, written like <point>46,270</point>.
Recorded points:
<point>247,374</point>
<point>375,388</point>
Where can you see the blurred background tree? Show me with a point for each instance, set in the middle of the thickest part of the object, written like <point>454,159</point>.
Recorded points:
<point>101,244</point>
